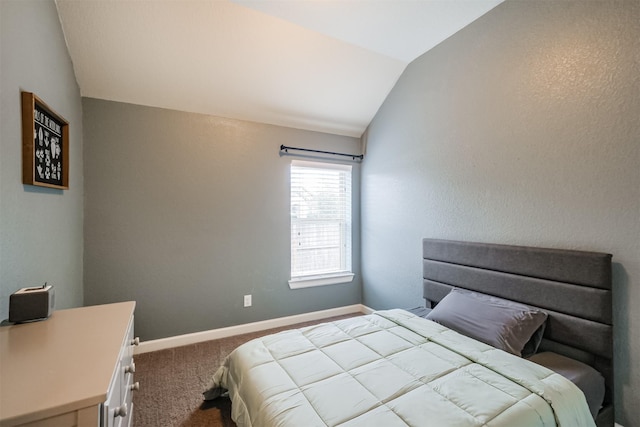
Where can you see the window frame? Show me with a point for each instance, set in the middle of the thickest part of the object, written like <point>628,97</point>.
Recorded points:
<point>329,278</point>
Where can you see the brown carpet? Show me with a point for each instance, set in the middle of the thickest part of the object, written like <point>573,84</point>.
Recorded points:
<point>172,382</point>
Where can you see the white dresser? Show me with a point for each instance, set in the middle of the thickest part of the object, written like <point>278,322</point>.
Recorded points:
<point>73,369</point>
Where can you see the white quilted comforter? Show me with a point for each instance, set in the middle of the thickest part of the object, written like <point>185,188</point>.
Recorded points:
<point>389,369</point>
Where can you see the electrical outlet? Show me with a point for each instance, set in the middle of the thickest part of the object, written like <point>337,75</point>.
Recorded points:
<point>247,300</point>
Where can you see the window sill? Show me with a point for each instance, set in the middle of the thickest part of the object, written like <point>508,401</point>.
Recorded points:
<point>312,281</point>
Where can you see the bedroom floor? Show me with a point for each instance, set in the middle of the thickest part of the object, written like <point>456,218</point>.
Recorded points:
<point>172,382</point>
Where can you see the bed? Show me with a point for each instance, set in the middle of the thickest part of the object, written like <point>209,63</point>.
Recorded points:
<point>395,368</point>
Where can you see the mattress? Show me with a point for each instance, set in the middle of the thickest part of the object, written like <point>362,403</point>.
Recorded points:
<point>390,368</point>
<point>588,380</point>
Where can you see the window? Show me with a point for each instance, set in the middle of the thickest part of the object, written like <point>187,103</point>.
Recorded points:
<point>320,224</point>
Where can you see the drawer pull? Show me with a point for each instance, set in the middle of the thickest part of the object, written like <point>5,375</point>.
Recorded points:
<point>130,369</point>
<point>135,386</point>
<point>120,411</point>
<point>135,341</point>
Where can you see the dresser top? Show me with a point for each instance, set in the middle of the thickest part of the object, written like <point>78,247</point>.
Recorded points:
<point>61,364</point>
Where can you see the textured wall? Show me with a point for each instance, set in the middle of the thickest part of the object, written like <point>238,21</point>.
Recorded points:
<point>40,229</point>
<point>523,128</point>
<point>186,213</point>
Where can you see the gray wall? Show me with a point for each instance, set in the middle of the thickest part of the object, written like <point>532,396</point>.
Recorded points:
<point>40,229</point>
<point>186,213</point>
<point>522,129</point>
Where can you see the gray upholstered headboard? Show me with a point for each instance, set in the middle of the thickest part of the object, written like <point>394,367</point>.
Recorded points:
<point>573,287</point>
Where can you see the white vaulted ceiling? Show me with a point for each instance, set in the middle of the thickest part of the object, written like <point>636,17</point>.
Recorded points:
<point>324,65</point>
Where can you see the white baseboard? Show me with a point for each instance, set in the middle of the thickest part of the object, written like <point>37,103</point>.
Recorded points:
<point>214,334</point>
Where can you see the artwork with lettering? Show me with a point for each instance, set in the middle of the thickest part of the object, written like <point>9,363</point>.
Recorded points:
<point>45,143</point>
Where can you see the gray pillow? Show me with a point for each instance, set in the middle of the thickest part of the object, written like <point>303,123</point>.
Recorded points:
<point>501,323</point>
<point>590,381</point>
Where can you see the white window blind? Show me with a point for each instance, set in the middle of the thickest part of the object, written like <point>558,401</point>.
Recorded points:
<point>320,219</point>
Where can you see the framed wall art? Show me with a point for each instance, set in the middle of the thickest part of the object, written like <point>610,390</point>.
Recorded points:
<point>45,145</point>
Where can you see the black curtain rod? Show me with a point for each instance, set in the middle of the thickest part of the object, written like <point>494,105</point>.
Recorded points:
<point>353,156</point>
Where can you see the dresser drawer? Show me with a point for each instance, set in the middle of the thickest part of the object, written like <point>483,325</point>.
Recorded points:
<point>112,408</point>
<point>118,408</point>
<point>128,366</point>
